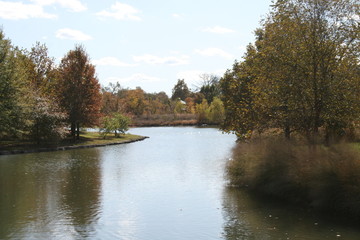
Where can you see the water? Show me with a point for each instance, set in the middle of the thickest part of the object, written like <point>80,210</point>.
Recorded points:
<point>170,186</point>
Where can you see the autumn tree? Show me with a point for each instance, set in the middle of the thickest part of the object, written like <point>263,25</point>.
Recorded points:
<point>303,69</point>
<point>79,90</point>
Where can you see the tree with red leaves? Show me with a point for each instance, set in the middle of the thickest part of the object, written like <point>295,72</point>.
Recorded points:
<point>79,90</point>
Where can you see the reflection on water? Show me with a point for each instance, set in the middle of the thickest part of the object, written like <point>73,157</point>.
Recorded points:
<point>170,186</point>
<point>49,195</point>
<point>249,217</point>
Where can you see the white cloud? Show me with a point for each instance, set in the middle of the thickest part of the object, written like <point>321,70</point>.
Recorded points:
<point>19,10</point>
<point>177,15</point>
<point>156,60</point>
<point>121,11</point>
<point>218,30</point>
<point>67,33</point>
<point>73,5</point>
<point>212,52</point>
<point>112,61</point>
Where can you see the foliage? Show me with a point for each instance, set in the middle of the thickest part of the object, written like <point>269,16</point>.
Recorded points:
<point>302,73</point>
<point>216,112</point>
<point>9,108</point>
<point>79,90</point>
<point>202,111</point>
<point>180,90</point>
<point>180,107</point>
<point>210,87</point>
<point>47,121</point>
<point>117,123</point>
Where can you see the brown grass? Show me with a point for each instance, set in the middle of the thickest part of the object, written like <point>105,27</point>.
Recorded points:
<point>325,178</point>
<point>165,120</point>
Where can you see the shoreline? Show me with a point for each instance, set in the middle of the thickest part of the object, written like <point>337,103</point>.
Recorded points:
<point>69,147</point>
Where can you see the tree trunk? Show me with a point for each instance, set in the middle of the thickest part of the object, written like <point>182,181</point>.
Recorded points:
<point>77,131</point>
<point>73,131</point>
<point>287,132</point>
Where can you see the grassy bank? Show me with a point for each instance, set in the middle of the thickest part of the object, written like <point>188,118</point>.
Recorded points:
<point>87,139</point>
<point>324,178</point>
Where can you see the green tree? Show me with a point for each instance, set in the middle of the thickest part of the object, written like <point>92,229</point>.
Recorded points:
<point>11,87</point>
<point>210,87</point>
<point>180,90</point>
<point>202,111</point>
<point>79,90</point>
<point>216,112</point>
<point>117,123</point>
<point>44,72</point>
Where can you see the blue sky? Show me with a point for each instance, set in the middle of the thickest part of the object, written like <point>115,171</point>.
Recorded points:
<point>142,43</point>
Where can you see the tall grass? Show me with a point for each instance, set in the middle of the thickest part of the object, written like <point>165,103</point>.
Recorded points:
<point>326,178</point>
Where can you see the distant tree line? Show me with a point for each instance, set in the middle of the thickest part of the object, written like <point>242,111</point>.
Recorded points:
<point>302,74</point>
<point>204,102</point>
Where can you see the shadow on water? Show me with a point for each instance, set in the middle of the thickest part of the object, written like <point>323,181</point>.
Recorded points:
<point>55,193</point>
<point>251,217</point>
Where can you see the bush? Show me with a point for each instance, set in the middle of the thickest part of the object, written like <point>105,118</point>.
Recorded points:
<point>117,123</point>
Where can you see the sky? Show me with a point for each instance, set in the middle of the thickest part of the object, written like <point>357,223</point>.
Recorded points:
<point>145,43</point>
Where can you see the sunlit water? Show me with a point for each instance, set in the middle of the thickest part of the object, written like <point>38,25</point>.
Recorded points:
<point>170,186</point>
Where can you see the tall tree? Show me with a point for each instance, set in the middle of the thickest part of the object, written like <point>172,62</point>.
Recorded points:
<point>210,87</point>
<point>180,90</point>
<point>9,108</point>
<point>304,68</point>
<point>44,72</point>
<point>79,90</point>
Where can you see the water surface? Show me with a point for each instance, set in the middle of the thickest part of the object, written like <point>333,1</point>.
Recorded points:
<point>170,186</point>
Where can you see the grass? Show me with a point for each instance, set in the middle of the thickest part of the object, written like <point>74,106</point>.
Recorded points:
<point>321,177</point>
<point>165,120</point>
<point>86,139</point>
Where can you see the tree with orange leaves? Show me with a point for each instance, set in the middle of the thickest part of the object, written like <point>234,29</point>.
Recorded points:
<point>79,90</point>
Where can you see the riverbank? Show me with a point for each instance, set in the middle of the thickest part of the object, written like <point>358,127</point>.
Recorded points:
<point>163,120</point>
<point>322,178</point>
<point>87,140</point>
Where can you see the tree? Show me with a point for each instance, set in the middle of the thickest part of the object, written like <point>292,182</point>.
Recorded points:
<point>134,101</point>
<point>210,87</point>
<point>43,68</point>
<point>239,96</point>
<point>180,90</point>
<point>9,108</point>
<point>79,90</point>
<point>216,112</point>
<point>303,69</point>
<point>47,121</point>
<point>202,111</point>
<point>116,123</point>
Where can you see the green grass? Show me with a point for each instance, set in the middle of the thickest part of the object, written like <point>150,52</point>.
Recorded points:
<point>86,139</point>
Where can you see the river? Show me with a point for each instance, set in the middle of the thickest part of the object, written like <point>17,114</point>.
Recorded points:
<point>168,187</point>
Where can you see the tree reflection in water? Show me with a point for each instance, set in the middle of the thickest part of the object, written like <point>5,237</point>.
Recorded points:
<point>56,193</point>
